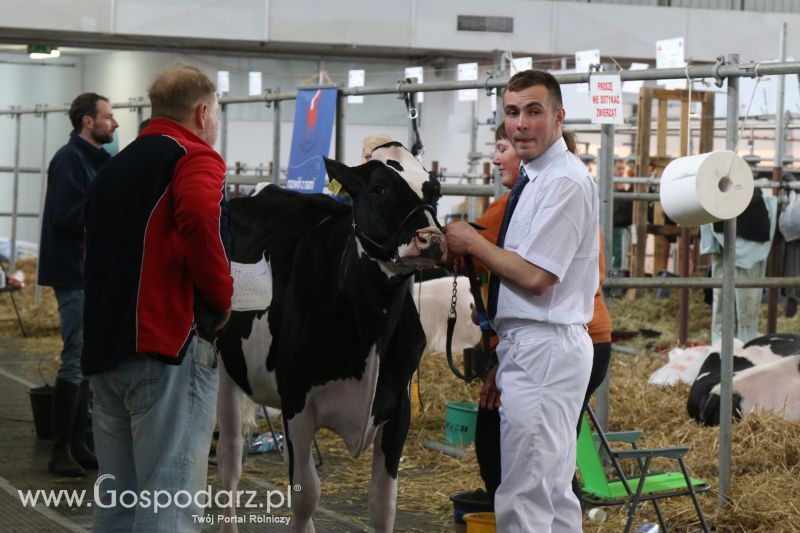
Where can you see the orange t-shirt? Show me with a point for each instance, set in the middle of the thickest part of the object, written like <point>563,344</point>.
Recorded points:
<point>492,219</point>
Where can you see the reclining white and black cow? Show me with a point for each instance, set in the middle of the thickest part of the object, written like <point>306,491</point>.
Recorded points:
<point>766,377</point>
<point>339,340</point>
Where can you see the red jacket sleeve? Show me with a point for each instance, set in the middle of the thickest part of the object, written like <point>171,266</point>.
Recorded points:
<point>198,186</point>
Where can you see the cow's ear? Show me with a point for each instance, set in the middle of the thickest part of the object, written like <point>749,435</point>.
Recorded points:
<point>347,176</point>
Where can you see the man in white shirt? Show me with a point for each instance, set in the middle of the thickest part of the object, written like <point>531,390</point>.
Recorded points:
<point>545,276</point>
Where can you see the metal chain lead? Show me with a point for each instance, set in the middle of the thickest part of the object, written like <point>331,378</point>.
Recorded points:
<point>455,290</point>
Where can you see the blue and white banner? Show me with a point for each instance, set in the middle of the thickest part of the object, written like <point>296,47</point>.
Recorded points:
<point>311,139</point>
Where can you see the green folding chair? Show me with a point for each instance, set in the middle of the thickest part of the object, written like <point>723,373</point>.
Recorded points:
<point>599,490</point>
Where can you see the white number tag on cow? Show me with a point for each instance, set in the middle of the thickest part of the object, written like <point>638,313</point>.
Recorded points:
<point>252,286</point>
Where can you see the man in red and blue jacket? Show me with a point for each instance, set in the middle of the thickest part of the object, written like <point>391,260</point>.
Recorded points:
<point>158,287</point>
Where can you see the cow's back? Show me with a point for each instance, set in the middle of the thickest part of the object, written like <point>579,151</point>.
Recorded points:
<point>275,219</point>
<point>269,226</point>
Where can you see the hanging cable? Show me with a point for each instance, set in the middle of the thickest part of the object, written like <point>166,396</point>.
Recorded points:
<point>417,149</point>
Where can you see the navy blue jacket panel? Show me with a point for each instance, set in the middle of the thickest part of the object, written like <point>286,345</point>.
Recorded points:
<point>69,176</point>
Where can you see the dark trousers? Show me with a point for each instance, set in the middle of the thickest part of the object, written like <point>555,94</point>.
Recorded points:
<point>487,427</point>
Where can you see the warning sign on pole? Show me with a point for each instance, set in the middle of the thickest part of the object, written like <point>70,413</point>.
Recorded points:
<point>606,97</point>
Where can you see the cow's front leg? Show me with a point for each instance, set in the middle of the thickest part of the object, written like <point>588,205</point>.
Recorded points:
<point>387,449</point>
<point>299,437</point>
<point>229,447</point>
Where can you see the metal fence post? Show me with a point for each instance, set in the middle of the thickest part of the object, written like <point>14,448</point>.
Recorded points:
<point>12,261</point>
<point>223,132</point>
<point>37,293</point>
<point>276,141</point>
<point>499,116</point>
<point>605,174</point>
<point>223,139</point>
<point>728,297</point>
<point>774,266</point>
<point>341,102</point>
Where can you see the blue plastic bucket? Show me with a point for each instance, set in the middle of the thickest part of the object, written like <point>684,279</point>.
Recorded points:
<point>476,501</point>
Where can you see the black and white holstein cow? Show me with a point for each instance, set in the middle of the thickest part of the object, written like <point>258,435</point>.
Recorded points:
<point>766,376</point>
<point>340,339</point>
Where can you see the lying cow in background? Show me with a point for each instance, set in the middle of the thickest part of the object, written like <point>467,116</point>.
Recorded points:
<point>765,378</point>
<point>339,339</point>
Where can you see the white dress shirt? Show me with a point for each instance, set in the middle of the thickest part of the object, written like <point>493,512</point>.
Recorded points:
<point>554,226</point>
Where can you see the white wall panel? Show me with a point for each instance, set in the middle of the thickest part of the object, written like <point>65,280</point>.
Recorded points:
<point>561,28</point>
<point>540,26</point>
<point>26,86</point>
<point>71,15</point>
<point>534,28</point>
<point>355,22</point>
<point>212,19</point>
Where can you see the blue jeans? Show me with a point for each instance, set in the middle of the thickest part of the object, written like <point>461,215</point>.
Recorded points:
<point>152,430</point>
<point>70,312</point>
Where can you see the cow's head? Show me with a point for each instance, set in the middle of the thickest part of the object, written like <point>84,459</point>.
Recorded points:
<point>393,215</point>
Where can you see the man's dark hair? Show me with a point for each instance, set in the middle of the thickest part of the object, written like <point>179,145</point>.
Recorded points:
<point>530,78</point>
<point>84,105</point>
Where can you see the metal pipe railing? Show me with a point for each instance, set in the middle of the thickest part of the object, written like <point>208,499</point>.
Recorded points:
<point>697,283</point>
<point>717,70</point>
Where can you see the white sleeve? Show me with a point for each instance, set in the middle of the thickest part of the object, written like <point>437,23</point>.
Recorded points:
<point>557,227</point>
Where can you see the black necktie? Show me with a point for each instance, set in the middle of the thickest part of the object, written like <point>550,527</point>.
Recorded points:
<point>513,198</point>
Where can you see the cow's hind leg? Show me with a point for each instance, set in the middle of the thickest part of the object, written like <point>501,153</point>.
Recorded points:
<point>230,445</point>
<point>299,437</point>
<point>387,449</point>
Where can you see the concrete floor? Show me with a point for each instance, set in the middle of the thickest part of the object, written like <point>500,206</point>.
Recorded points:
<point>23,461</point>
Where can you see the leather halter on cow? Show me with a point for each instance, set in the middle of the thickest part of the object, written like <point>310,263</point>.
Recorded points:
<point>339,339</point>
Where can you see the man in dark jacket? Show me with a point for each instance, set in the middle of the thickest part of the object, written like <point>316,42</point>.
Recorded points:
<point>69,177</point>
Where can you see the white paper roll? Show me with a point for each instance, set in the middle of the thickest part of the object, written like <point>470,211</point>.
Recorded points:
<point>705,188</point>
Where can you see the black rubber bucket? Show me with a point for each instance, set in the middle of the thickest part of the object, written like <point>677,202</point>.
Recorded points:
<point>476,501</point>
<point>42,407</point>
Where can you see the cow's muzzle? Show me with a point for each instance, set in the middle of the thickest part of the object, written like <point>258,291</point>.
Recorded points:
<point>431,243</point>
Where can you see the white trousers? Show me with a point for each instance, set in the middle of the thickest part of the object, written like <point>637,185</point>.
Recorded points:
<point>543,374</point>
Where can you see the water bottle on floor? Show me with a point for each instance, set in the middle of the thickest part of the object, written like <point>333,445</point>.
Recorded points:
<point>648,528</point>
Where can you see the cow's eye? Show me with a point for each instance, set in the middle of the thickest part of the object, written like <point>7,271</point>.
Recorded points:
<point>378,190</point>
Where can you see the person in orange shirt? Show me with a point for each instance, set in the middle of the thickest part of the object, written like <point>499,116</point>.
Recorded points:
<point>487,431</point>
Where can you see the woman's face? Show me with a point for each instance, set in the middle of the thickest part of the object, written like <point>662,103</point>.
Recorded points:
<point>507,161</point>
